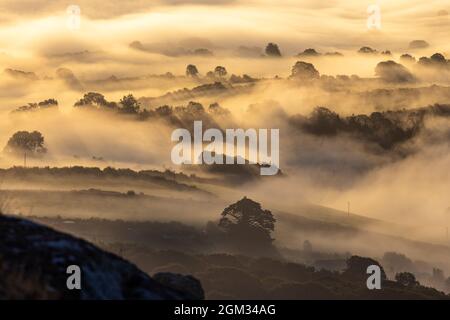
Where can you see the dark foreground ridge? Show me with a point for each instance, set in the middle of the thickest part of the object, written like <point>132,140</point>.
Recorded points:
<point>34,261</point>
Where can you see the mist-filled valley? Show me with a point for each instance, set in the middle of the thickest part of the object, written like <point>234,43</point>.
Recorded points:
<point>88,109</point>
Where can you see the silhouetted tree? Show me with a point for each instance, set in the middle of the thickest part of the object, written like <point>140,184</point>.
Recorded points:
<point>129,104</point>
<point>272,50</point>
<point>418,44</point>
<point>31,143</point>
<point>216,109</point>
<point>406,279</point>
<point>164,111</point>
<point>137,45</point>
<point>391,71</point>
<point>304,71</point>
<point>246,219</point>
<point>241,79</point>
<point>407,58</point>
<point>384,128</point>
<point>309,53</point>
<point>48,103</point>
<point>357,267</point>
<point>93,99</point>
<point>323,122</point>
<point>220,71</point>
<point>438,58</point>
<point>367,50</point>
<point>191,71</point>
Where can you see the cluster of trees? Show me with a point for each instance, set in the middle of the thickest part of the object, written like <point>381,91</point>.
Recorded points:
<point>24,142</point>
<point>271,50</point>
<point>384,128</point>
<point>137,45</point>
<point>181,116</point>
<point>304,71</point>
<point>127,105</point>
<point>168,178</point>
<point>227,276</point>
<point>45,104</point>
<point>369,50</point>
<point>234,174</point>
<point>19,74</point>
<point>184,116</point>
<point>391,71</point>
<point>310,52</point>
<point>219,72</point>
<point>209,89</point>
<point>94,99</point>
<point>437,60</point>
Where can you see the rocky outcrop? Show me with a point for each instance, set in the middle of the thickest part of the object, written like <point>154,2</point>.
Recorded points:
<point>34,261</point>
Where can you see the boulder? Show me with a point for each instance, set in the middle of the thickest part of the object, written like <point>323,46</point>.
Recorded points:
<point>34,260</point>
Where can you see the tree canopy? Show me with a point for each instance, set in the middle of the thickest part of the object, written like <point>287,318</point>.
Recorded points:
<point>272,50</point>
<point>391,71</point>
<point>26,142</point>
<point>129,104</point>
<point>406,279</point>
<point>304,71</point>
<point>247,215</point>
<point>191,71</point>
<point>220,71</point>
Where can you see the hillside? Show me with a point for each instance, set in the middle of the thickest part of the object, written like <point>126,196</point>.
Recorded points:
<point>34,260</point>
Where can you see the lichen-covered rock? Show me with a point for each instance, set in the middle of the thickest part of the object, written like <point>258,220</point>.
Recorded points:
<point>34,261</point>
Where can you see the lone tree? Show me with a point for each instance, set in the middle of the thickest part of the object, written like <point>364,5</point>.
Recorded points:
<point>220,71</point>
<point>24,142</point>
<point>129,104</point>
<point>391,71</point>
<point>304,71</point>
<point>407,58</point>
<point>357,267</point>
<point>191,71</point>
<point>367,50</point>
<point>247,223</point>
<point>272,50</point>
